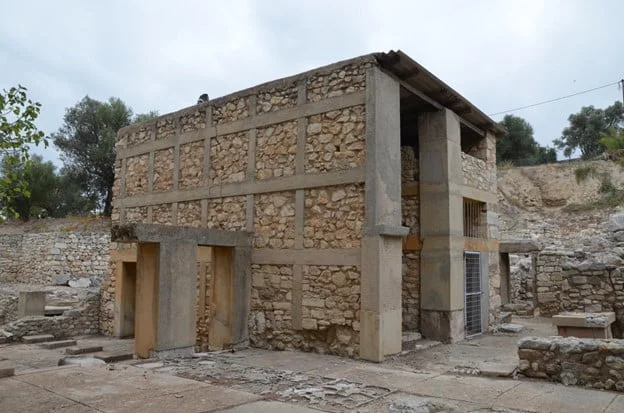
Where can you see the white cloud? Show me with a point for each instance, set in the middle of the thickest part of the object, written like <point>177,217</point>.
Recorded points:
<point>162,55</point>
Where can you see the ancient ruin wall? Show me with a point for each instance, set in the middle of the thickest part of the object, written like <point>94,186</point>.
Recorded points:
<point>284,160</point>
<point>410,207</point>
<point>573,361</point>
<point>40,257</point>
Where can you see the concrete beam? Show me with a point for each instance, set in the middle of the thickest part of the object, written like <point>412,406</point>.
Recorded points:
<point>155,233</point>
<point>259,121</point>
<point>518,246</point>
<point>289,183</point>
<point>306,256</point>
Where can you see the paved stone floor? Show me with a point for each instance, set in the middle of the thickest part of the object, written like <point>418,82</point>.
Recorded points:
<point>439,379</point>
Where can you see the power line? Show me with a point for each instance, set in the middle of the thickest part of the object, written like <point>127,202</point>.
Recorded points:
<point>556,99</point>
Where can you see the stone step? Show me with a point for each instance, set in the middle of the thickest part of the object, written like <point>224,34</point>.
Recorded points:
<point>37,339</point>
<point>83,350</point>
<point>6,369</point>
<point>52,310</point>
<point>505,317</point>
<point>113,357</point>
<point>49,345</point>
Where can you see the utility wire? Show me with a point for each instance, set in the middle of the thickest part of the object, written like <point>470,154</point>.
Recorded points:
<point>556,99</point>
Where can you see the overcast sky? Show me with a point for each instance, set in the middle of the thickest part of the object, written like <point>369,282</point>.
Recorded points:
<point>162,55</point>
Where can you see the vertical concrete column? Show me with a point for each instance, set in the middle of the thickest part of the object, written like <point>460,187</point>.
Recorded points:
<point>146,316</point>
<point>441,227</point>
<point>177,289</point>
<point>380,315</point>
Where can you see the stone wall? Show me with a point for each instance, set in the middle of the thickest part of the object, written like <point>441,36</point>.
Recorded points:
<point>284,160</point>
<point>573,361</point>
<point>82,320</point>
<point>410,207</point>
<point>39,258</point>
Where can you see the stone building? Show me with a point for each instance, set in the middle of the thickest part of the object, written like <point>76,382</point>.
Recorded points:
<point>342,206</point>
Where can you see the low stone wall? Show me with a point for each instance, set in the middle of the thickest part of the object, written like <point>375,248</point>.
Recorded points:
<point>573,361</point>
<point>83,320</point>
<point>8,307</point>
<point>39,258</point>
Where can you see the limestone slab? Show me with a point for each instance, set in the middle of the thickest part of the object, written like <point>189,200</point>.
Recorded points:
<point>37,339</point>
<point>113,357</point>
<point>548,397</point>
<point>49,345</point>
<point>497,369</point>
<point>464,388</point>
<point>510,328</point>
<point>617,405</point>
<point>268,406</point>
<point>83,349</point>
<point>197,400</point>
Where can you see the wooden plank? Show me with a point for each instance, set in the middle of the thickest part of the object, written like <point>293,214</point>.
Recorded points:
<point>410,189</point>
<point>412,243</point>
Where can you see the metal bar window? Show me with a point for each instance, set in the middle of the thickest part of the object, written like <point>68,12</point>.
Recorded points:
<point>474,219</point>
<point>473,293</point>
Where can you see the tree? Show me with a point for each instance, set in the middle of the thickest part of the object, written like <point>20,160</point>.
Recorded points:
<point>519,146</point>
<point>87,142</point>
<point>49,194</point>
<point>587,127</point>
<point>17,131</point>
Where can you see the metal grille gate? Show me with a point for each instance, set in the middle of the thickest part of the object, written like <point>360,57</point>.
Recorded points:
<point>472,277</point>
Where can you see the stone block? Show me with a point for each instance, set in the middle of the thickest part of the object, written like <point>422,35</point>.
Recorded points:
<point>31,303</point>
<point>49,345</point>
<point>6,369</point>
<point>37,339</point>
<point>83,350</point>
<point>61,280</point>
<point>80,283</point>
<point>113,357</point>
<point>510,328</point>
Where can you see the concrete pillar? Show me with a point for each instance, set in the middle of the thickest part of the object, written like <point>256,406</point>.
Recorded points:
<point>380,315</point>
<point>177,289</point>
<point>231,274</point>
<point>31,303</point>
<point>146,309</point>
<point>441,227</point>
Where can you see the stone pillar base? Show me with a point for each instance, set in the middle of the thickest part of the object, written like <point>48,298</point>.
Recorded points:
<point>444,326</point>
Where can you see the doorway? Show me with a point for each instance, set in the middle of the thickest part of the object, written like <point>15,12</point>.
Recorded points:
<point>128,299</point>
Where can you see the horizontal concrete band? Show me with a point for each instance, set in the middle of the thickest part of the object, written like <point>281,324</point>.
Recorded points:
<point>204,255</point>
<point>289,183</point>
<point>258,121</point>
<point>155,233</point>
<point>306,256</point>
<point>479,195</point>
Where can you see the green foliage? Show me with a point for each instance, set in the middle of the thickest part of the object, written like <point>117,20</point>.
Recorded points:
<point>588,127</point>
<point>504,165</point>
<point>17,131</point>
<point>49,194</point>
<point>583,172</point>
<point>519,146</point>
<point>87,143</point>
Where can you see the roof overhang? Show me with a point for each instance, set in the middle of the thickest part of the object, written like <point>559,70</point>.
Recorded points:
<point>434,92</point>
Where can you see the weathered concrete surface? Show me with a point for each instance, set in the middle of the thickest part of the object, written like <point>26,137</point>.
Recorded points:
<point>83,349</point>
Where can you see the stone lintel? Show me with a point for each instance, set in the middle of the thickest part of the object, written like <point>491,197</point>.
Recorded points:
<point>156,233</point>
<point>518,246</point>
<point>389,231</point>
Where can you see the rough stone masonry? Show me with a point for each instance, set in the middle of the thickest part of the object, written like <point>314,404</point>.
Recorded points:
<point>311,167</point>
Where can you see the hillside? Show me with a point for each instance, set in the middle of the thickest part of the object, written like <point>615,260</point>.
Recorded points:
<point>546,203</point>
